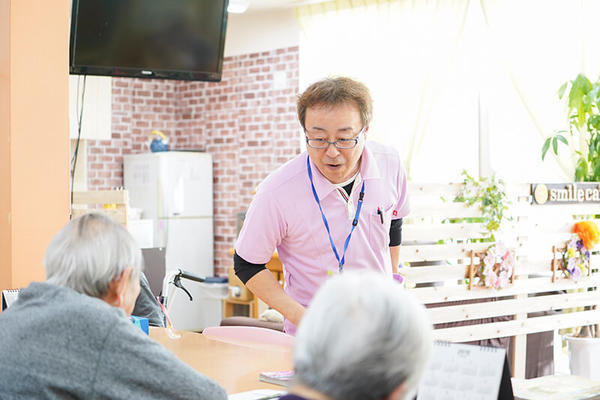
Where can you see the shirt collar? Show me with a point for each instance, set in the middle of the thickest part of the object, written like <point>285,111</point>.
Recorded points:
<point>368,170</point>
<point>368,167</point>
<point>322,185</point>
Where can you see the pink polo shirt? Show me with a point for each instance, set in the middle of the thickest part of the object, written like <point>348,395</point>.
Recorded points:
<point>284,215</point>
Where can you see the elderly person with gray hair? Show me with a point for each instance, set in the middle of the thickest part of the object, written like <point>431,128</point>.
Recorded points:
<point>362,338</point>
<point>70,337</point>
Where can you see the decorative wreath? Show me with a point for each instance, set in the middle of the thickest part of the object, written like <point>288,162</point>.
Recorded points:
<point>575,258</point>
<point>496,269</point>
<point>576,255</point>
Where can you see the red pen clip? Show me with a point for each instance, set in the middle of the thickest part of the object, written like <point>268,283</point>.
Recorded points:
<point>380,214</point>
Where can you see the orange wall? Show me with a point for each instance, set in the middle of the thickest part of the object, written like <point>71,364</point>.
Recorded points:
<point>5,242</point>
<point>34,185</point>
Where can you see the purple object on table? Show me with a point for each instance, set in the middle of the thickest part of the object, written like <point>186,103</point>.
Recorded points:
<point>399,278</point>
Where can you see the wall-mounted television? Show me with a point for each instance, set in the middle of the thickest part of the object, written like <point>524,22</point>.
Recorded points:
<point>168,39</point>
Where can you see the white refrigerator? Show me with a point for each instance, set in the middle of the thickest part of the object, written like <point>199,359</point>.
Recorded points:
<point>175,190</point>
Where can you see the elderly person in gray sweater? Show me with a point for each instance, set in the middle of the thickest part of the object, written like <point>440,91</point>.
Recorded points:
<point>362,338</point>
<point>70,337</point>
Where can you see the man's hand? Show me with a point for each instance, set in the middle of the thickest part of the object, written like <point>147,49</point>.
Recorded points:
<point>265,286</point>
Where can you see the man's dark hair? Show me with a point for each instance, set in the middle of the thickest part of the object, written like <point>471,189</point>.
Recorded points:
<point>331,92</point>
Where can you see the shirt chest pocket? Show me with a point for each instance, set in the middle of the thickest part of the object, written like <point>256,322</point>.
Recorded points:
<point>379,226</point>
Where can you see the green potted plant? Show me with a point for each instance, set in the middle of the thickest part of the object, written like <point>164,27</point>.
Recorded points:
<point>584,344</point>
<point>489,195</point>
<point>583,114</point>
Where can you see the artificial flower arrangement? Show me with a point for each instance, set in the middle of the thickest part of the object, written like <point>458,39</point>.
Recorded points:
<point>588,232</point>
<point>575,260</point>
<point>496,268</point>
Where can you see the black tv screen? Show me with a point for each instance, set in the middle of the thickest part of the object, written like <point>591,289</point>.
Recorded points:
<point>169,39</point>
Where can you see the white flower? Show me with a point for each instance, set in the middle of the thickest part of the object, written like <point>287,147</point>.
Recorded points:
<point>489,260</point>
<point>505,259</point>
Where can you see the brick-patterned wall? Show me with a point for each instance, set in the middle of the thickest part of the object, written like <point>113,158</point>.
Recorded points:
<point>138,106</point>
<point>247,122</point>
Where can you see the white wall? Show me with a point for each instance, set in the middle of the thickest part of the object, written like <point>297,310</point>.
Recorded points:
<point>97,107</point>
<point>257,31</point>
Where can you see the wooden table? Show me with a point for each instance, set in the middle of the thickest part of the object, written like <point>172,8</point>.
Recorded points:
<point>234,365</point>
<point>556,387</point>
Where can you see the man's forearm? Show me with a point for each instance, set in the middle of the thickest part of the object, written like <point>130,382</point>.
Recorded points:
<point>265,286</point>
<point>395,255</point>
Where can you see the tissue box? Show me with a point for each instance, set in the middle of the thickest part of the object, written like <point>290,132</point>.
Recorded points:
<point>141,323</point>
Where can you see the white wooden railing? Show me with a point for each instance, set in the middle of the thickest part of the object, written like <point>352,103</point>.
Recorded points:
<point>439,253</point>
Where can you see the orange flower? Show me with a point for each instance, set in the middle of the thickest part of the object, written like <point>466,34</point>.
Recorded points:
<point>588,233</point>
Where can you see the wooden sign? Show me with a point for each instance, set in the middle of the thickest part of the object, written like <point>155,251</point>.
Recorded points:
<point>565,193</point>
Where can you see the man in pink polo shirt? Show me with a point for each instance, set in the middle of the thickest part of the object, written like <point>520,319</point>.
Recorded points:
<point>337,206</point>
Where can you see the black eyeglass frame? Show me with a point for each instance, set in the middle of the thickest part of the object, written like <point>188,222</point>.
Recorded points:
<point>336,143</point>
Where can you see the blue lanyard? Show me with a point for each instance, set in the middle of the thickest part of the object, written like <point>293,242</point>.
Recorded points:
<point>354,222</point>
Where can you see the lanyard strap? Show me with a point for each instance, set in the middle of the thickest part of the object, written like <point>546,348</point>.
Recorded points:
<point>354,222</point>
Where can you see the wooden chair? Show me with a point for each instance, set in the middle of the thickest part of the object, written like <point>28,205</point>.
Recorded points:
<point>246,297</point>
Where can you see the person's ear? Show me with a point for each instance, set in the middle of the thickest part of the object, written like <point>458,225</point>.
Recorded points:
<point>397,394</point>
<point>117,288</point>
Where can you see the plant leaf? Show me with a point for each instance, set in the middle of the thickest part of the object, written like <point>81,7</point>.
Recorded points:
<point>561,90</point>
<point>581,170</point>
<point>597,171</point>
<point>562,139</point>
<point>595,92</point>
<point>555,145</point>
<point>545,148</point>
<point>594,122</point>
<point>581,86</point>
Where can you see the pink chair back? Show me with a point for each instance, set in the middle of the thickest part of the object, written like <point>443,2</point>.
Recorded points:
<point>249,334</point>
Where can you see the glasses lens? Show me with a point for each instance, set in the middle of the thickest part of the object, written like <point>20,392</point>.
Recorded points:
<point>317,143</point>
<point>340,143</point>
<point>345,144</point>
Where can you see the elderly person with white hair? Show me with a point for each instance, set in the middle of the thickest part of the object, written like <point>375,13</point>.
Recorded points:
<point>70,337</point>
<point>362,338</point>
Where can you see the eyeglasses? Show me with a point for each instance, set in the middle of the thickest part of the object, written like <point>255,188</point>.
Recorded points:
<point>343,144</point>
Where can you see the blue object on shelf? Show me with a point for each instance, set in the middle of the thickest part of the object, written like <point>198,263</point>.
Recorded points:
<point>160,143</point>
<point>141,323</point>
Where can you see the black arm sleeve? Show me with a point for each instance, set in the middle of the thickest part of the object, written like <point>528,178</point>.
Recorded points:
<point>396,232</point>
<point>244,269</point>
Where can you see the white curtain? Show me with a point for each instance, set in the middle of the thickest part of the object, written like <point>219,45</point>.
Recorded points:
<point>434,67</point>
<point>537,45</point>
<point>404,51</point>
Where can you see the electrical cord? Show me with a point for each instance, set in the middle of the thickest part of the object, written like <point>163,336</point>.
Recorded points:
<point>75,153</point>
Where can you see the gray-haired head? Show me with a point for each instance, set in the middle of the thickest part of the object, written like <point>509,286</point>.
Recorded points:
<point>90,252</point>
<point>335,91</point>
<point>361,338</point>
